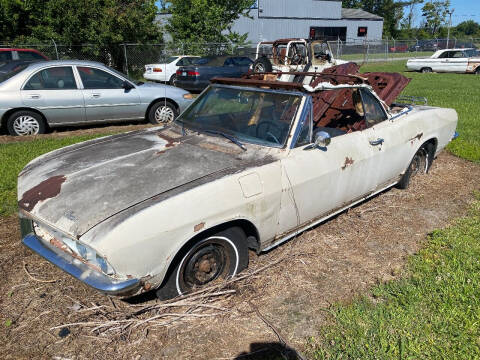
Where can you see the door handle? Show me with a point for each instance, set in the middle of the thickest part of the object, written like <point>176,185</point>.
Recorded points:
<point>34,96</point>
<point>96,95</point>
<point>379,141</point>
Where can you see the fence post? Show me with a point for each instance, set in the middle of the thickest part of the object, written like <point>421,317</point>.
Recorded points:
<point>56,50</point>
<point>126,58</point>
<point>338,46</point>
<point>386,49</point>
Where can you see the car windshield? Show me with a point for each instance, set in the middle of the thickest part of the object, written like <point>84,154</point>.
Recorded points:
<point>246,115</point>
<point>11,73</point>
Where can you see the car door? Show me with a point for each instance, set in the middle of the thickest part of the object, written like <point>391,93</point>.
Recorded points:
<point>55,93</point>
<point>106,98</point>
<point>392,142</point>
<point>318,181</point>
<point>457,62</point>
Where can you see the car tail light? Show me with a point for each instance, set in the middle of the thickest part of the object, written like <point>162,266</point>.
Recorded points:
<point>157,70</point>
<point>179,72</point>
<point>193,73</point>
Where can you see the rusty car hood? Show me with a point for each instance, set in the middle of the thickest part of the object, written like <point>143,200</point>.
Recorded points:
<point>77,187</point>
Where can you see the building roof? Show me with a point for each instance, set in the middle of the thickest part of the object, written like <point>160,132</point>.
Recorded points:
<point>359,14</point>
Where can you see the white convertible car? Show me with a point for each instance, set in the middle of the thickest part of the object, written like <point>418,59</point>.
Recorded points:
<point>250,164</point>
<point>448,60</point>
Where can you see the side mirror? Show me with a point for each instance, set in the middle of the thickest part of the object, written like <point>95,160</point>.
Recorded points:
<point>127,86</point>
<point>322,139</point>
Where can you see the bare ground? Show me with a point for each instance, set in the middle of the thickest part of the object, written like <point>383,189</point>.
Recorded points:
<point>332,262</point>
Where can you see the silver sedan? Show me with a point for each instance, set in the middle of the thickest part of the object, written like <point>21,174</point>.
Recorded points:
<point>46,94</point>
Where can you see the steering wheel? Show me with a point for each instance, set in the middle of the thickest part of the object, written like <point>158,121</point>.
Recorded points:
<point>268,124</point>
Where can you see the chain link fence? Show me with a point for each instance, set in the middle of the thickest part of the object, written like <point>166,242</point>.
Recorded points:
<point>132,58</point>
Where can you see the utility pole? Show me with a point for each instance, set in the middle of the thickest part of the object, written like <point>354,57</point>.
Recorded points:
<point>449,12</point>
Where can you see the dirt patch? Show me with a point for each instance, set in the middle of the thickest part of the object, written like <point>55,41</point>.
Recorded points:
<point>332,262</point>
<point>78,131</point>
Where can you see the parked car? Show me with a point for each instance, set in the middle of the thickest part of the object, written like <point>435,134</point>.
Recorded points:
<point>9,54</point>
<point>422,45</point>
<point>399,48</point>
<point>196,77</point>
<point>250,164</point>
<point>448,60</point>
<point>58,93</point>
<point>167,71</point>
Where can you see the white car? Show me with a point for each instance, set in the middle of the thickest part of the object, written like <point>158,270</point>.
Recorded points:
<point>448,60</point>
<point>250,164</point>
<point>166,72</point>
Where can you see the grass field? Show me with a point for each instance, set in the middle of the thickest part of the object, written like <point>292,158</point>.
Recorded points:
<point>432,313</point>
<point>381,56</point>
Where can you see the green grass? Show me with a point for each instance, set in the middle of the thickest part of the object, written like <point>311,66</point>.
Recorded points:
<point>432,313</point>
<point>381,55</point>
<point>457,91</point>
<point>14,156</point>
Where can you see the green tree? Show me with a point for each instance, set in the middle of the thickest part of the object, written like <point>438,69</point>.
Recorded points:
<point>467,28</point>
<point>195,22</point>
<point>435,13</point>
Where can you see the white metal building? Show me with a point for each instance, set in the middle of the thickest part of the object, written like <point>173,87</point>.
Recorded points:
<point>321,19</point>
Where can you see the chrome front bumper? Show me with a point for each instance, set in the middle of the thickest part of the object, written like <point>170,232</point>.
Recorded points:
<point>81,271</point>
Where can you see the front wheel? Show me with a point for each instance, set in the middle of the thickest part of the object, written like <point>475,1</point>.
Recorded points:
<point>22,123</point>
<point>426,70</point>
<point>219,256</point>
<point>162,112</point>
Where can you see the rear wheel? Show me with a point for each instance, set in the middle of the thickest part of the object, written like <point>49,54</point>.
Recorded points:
<point>261,65</point>
<point>420,164</point>
<point>162,112</point>
<point>173,80</point>
<point>426,70</point>
<point>219,256</point>
<point>22,123</point>
<point>477,71</point>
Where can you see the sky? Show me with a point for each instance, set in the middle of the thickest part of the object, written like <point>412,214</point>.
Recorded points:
<point>464,10</point>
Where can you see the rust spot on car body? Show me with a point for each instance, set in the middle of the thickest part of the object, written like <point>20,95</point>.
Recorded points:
<point>45,190</point>
<point>418,137</point>
<point>198,227</point>
<point>170,140</point>
<point>348,162</point>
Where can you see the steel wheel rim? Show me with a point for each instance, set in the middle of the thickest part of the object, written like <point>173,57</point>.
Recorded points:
<point>420,163</point>
<point>259,68</point>
<point>164,114</point>
<point>207,264</point>
<point>26,125</point>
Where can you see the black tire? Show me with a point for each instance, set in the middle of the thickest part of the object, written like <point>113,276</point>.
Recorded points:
<point>173,80</point>
<point>162,112</point>
<point>261,65</point>
<point>222,255</point>
<point>420,164</point>
<point>426,70</point>
<point>477,71</point>
<point>25,122</point>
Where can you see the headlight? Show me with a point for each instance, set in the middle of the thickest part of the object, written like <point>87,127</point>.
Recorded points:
<point>78,250</point>
<point>188,96</point>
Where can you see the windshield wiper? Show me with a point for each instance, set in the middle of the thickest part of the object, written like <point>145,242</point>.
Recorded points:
<point>227,136</point>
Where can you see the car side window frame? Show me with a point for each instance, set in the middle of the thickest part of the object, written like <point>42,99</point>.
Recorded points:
<point>100,69</point>
<point>306,118</point>
<point>77,84</point>
<point>366,93</point>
